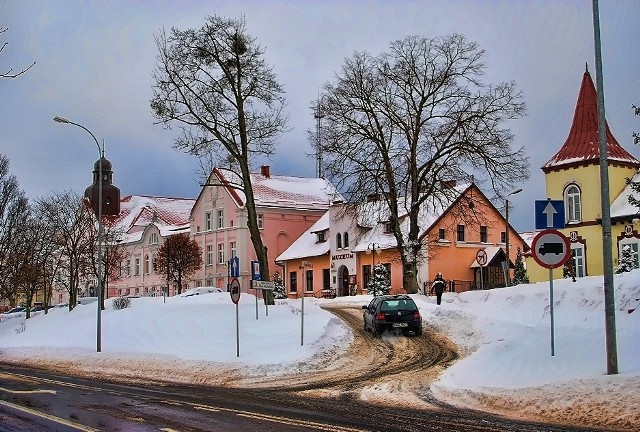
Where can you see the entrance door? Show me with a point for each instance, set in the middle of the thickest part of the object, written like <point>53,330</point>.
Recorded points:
<point>343,281</point>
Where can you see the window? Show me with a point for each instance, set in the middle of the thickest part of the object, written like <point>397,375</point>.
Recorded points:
<point>232,247</point>
<point>338,241</point>
<point>442,234</point>
<point>577,252</point>
<point>260,221</point>
<point>503,236</point>
<point>137,267</point>
<point>345,239</point>
<point>209,254</point>
<point>154,263</point>
<point>460,233</point>
<point>153,238</point>
<point>220,218</point>
<point>634,248</point>
<point>483,234</point>
<point>572,204</point>
<point>146,264</point>
<point>221,253</point>
<point>293,282</point>
<point>387,227</point>
<point>127,268</point>
<point>208,226</point>
<point>366,275</point>
<point>326,279</point>
<point>309,280</point>
<point>321,238</point>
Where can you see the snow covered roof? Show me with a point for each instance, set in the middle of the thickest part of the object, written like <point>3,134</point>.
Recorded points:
<point>282,191</point>
<point>307,244</point>
<point>170,215</point>
<point>582,145</point>
<point>621,208</point>
<point>491,252</point>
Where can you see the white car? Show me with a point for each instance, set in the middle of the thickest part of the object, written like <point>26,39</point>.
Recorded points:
<point>200,291</point>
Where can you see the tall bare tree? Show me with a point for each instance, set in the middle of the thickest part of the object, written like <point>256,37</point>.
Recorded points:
<point>14,211</point>
<point>215,84</point>
<point>10,73</point>
<point>408,122</point>
<point>635,186</point>
<point>179,257</point>
<point>71,220</point>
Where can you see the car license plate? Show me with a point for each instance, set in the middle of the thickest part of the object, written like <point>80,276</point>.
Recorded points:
<point>400,324</point>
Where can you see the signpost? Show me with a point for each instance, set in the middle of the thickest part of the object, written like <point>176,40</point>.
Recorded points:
<point>264,286</point>
<point>235,298</point>
<point>551,249</point>
<point>481,258</point>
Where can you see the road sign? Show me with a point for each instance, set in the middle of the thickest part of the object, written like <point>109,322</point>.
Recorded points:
<point>549,214</point>
<point>255,270</point>
<point>263,285</point>
<point>481,257</point>
<point>235,290</point>
<point>235,267</point>
<point>550,248</point>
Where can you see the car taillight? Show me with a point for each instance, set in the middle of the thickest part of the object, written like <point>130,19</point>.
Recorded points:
<point>416,315</point>
<point>380,316</point>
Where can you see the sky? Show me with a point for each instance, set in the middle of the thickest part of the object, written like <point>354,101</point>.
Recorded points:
<point>94,61</point>
<point>503,338</point>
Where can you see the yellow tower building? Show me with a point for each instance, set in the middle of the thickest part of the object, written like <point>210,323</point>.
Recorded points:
<point>573,175</point>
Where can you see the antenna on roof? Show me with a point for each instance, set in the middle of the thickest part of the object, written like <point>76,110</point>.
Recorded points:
<point>586,67</point>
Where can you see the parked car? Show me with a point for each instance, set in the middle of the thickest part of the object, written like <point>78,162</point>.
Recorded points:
<point>37,308</point>
<point>200,291</point>
<point>87,300</point>
<point>396,313</point>
<point>13,313</point>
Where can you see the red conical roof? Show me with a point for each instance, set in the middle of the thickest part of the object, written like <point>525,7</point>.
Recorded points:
<point>581,146</point>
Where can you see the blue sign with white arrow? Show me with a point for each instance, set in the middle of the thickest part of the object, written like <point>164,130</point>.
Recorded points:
<point>549,214</point>
<point>235,267</point>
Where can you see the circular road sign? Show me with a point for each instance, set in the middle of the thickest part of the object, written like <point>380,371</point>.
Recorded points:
<point>235,290</point>
<point>550,248</point>
<point>481,257</point>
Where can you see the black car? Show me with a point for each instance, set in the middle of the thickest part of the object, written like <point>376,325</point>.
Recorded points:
<point>392,313</point>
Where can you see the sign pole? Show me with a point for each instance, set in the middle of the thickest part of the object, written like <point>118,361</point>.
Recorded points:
<point>553,345</point>
<point>481,279</point>
<point>302,321</point>
<point>256,293</point>
<point>237,333</point>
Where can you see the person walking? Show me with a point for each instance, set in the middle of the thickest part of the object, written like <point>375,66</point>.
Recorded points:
<point>438,287</point>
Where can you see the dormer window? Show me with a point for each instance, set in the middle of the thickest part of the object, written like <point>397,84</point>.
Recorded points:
<point>387,227</point>
<point>321,237</point>
<point>573,204</point>
<point>153,239</point>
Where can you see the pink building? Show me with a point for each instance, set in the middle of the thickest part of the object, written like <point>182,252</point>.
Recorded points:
<point>286,207</point>
<point>146,221</point>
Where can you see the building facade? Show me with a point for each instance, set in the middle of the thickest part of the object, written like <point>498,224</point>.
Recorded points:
<point>573,176</point>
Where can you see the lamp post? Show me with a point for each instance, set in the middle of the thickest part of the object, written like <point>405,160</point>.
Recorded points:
<point>373,249</point>
<point>318,115</point>
<point>506,234</point>
<point>100,156</point>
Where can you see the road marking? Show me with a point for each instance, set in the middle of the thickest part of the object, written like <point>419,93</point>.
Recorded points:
<point>50,417</point>
<point>27,391</point>
<point>294,422</point>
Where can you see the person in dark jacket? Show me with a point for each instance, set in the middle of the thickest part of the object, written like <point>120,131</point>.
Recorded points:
<point>438,287</point>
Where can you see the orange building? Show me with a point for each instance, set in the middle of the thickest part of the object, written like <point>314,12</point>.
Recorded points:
<point>336,256</point>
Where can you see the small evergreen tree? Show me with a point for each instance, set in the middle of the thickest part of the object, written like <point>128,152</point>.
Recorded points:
<point>626,263</point>
<point>520,273</point>
<point>379,284</point>
<point>278,290</point>
<point>569,270</point>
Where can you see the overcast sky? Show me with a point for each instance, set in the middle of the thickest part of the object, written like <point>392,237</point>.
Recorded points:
<point>95,58</point>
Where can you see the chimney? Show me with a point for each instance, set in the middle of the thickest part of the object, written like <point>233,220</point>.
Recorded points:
<point>264,170</point>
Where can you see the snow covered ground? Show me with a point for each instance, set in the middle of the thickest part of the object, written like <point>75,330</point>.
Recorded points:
<point>503,336</point>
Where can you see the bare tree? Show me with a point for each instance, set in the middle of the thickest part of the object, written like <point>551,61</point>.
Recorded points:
<point>14,211</point>
<point>407,123</point>
<point>179,257</point>
<point>215,84</point>
<point>71,220</point>
<point>635,186</point>
<point>9,73</point>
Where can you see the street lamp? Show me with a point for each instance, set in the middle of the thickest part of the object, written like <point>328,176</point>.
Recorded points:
<point>318,115</point>
<point>506,234</point>
<point>373,249</point>
<point>100,157</point>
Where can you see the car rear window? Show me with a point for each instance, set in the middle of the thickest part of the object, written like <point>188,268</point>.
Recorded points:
<point>391,305</point>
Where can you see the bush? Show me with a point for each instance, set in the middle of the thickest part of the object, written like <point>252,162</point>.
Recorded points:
<point>121,303</point>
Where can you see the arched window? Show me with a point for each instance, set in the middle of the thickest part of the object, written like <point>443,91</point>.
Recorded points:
<point>146,264</point>
<point>572,203</point>
<point>345,238</point>
<point>338,241</point>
